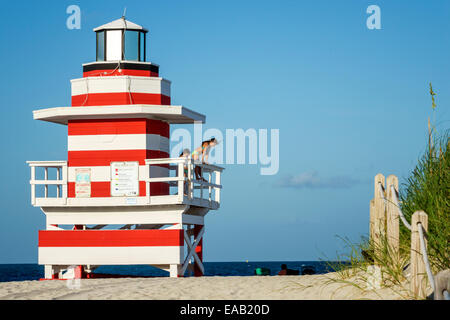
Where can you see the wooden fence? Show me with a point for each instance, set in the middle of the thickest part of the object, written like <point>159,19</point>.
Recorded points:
<point>385,216</point>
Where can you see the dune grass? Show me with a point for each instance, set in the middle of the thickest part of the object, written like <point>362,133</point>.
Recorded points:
<point>428,189</point>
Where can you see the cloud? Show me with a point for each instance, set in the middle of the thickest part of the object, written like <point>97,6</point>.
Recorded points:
<point>312,180</point>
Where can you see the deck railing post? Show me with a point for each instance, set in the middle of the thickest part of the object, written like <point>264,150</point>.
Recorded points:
<point>392,217</point>
<point>33,186</point>
<point>201,185</point>
<point>418,271</point>
<point>147,184</point>
<point>46,178</point>
<point>209,187</point>
<point>190,178</point>
<point>58,187</point>
<point>181,180</point>
<point>64,185</point>
<point>217,182</point>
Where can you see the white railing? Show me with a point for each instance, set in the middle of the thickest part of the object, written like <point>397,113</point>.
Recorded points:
<point>204,192</point>
<point>60,181</point>
<point>186,181</point>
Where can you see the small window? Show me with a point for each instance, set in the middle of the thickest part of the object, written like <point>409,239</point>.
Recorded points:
<point>131,45</point>
<point>142,46</point>
<point>101,46</point>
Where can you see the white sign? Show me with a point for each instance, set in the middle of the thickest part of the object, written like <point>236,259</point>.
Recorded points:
<point>125,179</point>
<point>83,183</point>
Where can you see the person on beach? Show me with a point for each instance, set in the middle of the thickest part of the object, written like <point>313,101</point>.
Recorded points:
<point>287,272</point>
<point>204,151</point>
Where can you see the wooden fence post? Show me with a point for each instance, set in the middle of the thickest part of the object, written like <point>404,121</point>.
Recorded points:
<point>418,271</point>
<point>392,217</point>
<point>379,216</point>
<point>372,220</point>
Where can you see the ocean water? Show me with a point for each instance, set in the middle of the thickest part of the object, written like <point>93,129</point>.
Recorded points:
<point>22,272</point>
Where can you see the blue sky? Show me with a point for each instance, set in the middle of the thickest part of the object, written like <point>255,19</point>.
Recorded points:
<point>349,102</point>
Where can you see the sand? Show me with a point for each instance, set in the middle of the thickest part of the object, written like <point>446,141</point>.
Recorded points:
<point>197,288</point>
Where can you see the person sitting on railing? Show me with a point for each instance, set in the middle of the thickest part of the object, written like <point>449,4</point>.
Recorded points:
<point>204,151</point>
<point>185,154</point>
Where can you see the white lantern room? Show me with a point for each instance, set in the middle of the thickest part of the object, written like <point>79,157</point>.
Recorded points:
<point>121,40</point>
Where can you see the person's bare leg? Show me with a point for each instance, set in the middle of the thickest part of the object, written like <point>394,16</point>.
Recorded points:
<point>198,172</point>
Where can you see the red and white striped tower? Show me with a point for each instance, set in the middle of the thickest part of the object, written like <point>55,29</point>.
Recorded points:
<point>115,202</point>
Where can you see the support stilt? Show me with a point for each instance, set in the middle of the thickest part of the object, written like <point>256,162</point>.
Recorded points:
<point>198,272</point>
<point>48,272</point>
<point>175,271</point>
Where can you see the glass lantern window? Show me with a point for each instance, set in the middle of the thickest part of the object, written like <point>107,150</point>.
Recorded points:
<point>101,46</point>
<point>131,45</point>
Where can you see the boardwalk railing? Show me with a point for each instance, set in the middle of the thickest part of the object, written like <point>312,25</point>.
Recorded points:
<point>385,214</point>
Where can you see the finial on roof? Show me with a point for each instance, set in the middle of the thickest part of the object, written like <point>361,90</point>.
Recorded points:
<point>124,13</point>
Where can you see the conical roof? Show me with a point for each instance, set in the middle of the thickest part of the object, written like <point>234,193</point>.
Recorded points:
<point>121,23</point>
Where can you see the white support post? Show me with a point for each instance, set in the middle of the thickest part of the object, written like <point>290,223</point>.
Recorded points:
<point>174,270</point>
<point>58,187</point>
<point>188,179</point>
<point>33,186</point>
<point>46,178</point>
<point>209,187</point>
<point>147,185</point>
<point>201,186</point>
<point>181,181</point>
<point>217,195</point>
<point>64,178</point>
<point>48,271</point>
<point>191,180</point>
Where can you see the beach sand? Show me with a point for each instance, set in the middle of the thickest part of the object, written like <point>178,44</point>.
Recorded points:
<point>198,288</point>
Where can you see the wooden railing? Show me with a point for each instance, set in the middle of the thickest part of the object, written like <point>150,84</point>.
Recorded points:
<point>385,217</point>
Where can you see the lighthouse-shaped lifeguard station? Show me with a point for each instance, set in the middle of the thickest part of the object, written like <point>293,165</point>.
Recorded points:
<point>119,199</point>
